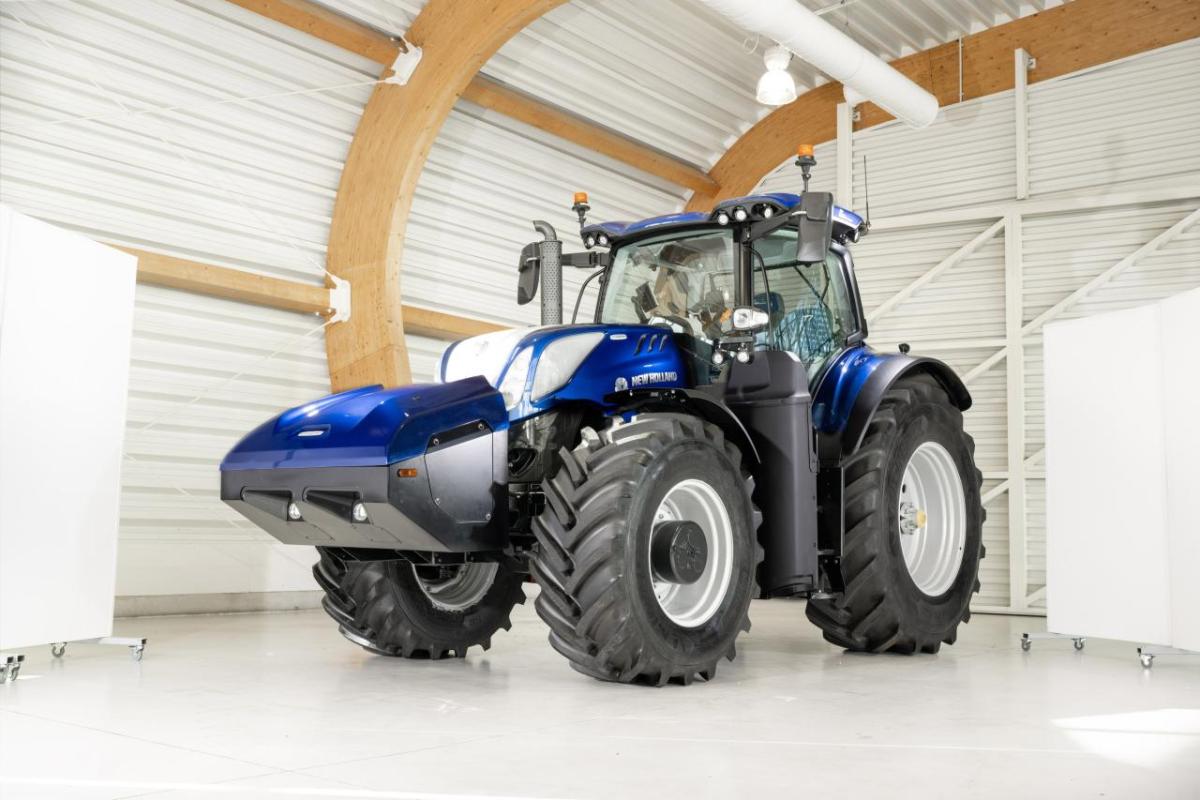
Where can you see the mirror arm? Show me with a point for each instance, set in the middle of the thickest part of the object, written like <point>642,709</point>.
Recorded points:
<point>588,260</point>
<point>768,226</point>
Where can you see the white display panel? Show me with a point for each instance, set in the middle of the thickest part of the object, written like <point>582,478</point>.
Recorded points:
<point>1181,404</point>
<point>66,319</point>
<point>1123,549</point>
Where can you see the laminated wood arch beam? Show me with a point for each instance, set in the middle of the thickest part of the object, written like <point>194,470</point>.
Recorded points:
<point>375,195</point>
<point>1064,39</point>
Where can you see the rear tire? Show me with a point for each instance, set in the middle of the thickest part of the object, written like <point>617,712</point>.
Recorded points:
<point>611,614</point>
<point>388,609</point>
<point>883,608</point>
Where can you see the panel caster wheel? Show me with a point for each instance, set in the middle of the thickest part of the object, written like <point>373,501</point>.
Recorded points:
<point>1146,659</point>
<point>57,649</point>
<point>10,668</point>
<point>1026,643</point>
<point>1079,643</point>
<point>136,651</point>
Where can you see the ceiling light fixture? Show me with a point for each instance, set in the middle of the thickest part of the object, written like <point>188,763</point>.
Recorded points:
<point>776,87</point>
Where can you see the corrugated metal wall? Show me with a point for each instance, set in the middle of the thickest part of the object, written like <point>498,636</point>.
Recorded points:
<point>487,178</point>
<point>246,185</point>
<point>966,158</point>
<point>1127,125</point>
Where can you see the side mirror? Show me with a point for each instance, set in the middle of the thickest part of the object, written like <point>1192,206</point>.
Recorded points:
<point>816,227</point>
<point>529,270</point>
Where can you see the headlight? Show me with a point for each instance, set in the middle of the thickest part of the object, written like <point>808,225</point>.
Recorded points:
<point>559,361</point>
<point>515,378</point>
<point>483,355</point>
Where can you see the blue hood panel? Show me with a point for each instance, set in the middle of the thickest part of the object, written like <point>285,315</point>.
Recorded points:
<point>369,426</point>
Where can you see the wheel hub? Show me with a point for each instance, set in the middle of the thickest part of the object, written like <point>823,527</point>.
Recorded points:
<point>932,518</point>
<point>678,552</point>
<point>459,587</point>
<point>691,553</point>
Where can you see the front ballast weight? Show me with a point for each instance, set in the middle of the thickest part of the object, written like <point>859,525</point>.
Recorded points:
<point>714,434</point>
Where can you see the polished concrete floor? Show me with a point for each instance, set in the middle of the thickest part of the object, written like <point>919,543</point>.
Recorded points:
<point>280,706</point>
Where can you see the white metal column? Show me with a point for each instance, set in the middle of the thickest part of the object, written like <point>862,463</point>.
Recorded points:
<point>845,155</point>
<point>1021,63</point>
<point>1015,395</point>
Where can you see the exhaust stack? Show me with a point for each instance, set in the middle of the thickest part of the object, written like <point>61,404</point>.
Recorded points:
<point>551,258</point>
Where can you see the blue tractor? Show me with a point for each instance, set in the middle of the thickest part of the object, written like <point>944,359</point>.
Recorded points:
<point>718,432</point>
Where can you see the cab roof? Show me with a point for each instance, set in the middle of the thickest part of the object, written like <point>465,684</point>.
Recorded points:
<point>754,204</point>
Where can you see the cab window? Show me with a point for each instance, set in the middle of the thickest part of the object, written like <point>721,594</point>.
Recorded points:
<point>809,305</point>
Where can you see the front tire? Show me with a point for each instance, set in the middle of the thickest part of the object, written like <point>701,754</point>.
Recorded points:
<point>908,585</point>
<point>393,608</point>
<point>647,551</point>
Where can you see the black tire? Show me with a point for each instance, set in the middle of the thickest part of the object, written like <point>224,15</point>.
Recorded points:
<point>593,561</point>
<point>882,609</point>
<point>381,606</point>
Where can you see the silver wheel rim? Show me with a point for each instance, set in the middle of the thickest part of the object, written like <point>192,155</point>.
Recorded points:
<point>691,605</point>
<point>465,588</point>
<point>933,519</point>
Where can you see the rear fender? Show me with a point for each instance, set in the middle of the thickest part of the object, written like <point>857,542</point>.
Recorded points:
<point>851,393</point>
<point>882,379</point>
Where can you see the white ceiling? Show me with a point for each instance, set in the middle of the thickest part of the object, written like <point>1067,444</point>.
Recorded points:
<point>674,75</point>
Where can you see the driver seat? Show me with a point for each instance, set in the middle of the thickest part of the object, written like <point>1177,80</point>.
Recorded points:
<point>807,331</point>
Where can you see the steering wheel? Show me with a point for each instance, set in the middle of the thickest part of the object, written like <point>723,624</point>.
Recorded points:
<point>673,320</point>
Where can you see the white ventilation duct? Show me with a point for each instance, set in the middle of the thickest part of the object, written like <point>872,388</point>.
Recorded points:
<point>834,53</point>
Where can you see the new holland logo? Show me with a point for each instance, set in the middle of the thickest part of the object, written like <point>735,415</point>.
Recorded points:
<point>621,385</point>
<point>645,378</point>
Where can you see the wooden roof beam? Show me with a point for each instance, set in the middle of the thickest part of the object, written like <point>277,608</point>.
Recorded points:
<point>318,21</point>
<point>525,108</point>
<point>157,269</point>
<point>370,217</point>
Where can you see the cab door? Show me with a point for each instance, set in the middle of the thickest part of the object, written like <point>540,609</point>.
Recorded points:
<point>814,309</point>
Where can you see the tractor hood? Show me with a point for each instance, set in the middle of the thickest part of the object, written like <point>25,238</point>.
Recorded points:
<point>537,368</point>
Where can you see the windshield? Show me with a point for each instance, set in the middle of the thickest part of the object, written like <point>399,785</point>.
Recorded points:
<point>684,280</point>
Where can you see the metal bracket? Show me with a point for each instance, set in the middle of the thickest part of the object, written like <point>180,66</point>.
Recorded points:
<point>406,62</point>
<point>339,299</point>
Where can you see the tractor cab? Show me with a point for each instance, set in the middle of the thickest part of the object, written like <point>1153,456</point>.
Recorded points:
<point>762,272</point>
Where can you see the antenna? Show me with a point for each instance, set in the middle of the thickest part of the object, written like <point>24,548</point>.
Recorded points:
<point>866,192</point>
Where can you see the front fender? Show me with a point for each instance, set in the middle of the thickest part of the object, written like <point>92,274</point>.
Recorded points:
<point>692,401</point>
